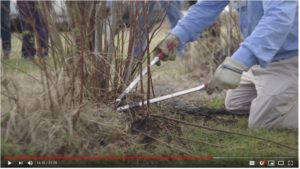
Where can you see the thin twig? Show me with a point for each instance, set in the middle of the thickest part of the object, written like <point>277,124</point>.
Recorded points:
<point>225,131</point>
<point>201,142</point>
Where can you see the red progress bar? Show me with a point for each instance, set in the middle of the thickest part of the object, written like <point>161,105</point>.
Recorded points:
<point>110,157</point>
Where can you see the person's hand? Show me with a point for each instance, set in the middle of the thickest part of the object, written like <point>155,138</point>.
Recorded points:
<point>227,76</point>
<point>168,47</point>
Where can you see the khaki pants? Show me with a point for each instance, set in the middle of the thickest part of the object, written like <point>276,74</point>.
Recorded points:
<point>269,95</point>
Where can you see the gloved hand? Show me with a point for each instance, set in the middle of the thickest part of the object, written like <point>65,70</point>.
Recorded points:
<point>168,47</point>
<point>227,76</point>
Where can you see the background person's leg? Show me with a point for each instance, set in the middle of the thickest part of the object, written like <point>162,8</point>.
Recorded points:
<point>238,100</point>
<point>41,32</point>
<point>140,44</point>
<point>276,105</point>
<point>26,9</point>
<point>5,28</point>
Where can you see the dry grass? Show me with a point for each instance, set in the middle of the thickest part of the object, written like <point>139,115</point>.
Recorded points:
<point>67,100</point>
<point>28,121</point>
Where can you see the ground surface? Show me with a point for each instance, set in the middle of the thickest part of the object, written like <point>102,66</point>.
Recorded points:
<point>104,133</point>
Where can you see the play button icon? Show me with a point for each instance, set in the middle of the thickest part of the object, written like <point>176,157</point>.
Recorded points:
<point>8,163</point>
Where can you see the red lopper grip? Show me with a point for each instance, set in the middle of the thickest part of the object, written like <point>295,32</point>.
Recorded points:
<point>161,55</point>
<point>206,84</point>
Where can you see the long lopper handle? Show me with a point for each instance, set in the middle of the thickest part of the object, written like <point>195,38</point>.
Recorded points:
<point>158,99</point>
<point>156,59</point>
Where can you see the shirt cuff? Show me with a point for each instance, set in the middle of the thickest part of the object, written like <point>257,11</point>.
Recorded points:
<point>245,56</point>
<point>181,35</point>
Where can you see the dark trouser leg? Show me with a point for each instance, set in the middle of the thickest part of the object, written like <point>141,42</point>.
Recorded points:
<point>41,31</point>
<point>5,28</point>
<point>26,9</point>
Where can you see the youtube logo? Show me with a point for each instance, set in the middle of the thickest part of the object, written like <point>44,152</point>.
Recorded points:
<point>262,162</point>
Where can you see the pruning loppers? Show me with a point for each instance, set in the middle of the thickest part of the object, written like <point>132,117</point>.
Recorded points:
<point>153,100</point>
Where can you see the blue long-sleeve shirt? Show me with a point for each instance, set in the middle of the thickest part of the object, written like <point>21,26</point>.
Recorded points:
<point>270,28</point>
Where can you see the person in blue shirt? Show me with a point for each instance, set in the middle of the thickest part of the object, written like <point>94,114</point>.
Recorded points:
<point>263,72</point>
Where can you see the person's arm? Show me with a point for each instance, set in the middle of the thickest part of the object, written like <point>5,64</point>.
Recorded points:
<point>269,34</point>
<point>199,16</point>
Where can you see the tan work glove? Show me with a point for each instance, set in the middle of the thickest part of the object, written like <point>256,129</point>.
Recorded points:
<point>168,47</point>
<point>227,76</point>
